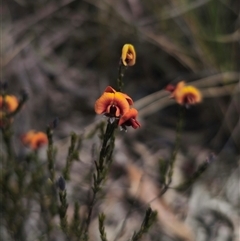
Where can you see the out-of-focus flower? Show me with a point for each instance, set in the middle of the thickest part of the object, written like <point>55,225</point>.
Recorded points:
<point>129,119</point>
<point>113,103</point>
<point>185,94</point>
<point>8,103</point>
<point>34,139</point>
<point>128,55</point>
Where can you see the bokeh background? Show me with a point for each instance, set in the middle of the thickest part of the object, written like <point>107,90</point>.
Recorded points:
<point>64,53</point>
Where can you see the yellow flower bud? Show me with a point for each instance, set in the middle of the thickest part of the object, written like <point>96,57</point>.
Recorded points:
<point>128,55</point>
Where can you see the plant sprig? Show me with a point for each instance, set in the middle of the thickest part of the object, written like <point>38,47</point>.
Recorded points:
<point>72,155</point>
<point>101,219</point>
<point>101,167</point>
<point>149,219</point>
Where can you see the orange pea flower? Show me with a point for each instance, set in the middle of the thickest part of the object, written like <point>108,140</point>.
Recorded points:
<point>8,103</point>
<point>113,103</point>
<point>129,119</point>
<point>34,139</point>
<point>185,94</point>
<point>128,55</point>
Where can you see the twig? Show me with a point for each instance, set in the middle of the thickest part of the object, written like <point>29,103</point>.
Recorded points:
<point>102,167</point>
<point>149,219</point>
<point>101,219</point>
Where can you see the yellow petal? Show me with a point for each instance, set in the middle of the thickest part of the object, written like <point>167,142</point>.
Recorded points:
<point>191,95</point>
<point>11,102</point>
<point>121,102</point>
<point>128,98</point>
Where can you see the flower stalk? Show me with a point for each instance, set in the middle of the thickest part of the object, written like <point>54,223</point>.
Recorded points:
<point>167,169</point>
<point>102,166</point>
<point>72,155</point>
<point>121,71</point>
<point>63,210</point>
<point>51,151</point>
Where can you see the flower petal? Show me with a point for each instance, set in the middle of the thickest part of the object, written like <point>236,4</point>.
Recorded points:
<point>110,89</point>
<point>103,102</point>
<point>128,98</point>
<point>129,119</point>
<point>10,101</point>
<point>121,102</point>
<point>39,139</point>
<point>177,93</point>
<point>34,139</point>
<point>135,124</point>
<point>191,95</point>
<point>170,88</point>
<point>186,95</point>
<point>26,138</point>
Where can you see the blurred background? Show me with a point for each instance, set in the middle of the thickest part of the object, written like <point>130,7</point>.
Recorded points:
<point>64,53</point>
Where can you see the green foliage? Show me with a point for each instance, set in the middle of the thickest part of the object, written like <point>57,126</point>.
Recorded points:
<point>149,219</point>
<point>101,219</point>
<point>63,210</point>
<point>72,155</point>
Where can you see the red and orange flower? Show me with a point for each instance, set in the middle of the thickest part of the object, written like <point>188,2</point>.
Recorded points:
<point>116,104</point>
<point>34,139</point>
<point>128,55</point>
<point>185,94</point>
<point>113,103</point>
<point>8,103</point>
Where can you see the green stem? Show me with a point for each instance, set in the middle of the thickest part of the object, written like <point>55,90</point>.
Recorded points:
<point>63,210</point>
<point>149,219</point>
<point>50,154</point>
<point>121,71</point>
<point>71,156</point>
<point>7,134</point>
<point>102,167</point>
<point>179,128</point>
<point>101,219</point>
<point>177,142</point>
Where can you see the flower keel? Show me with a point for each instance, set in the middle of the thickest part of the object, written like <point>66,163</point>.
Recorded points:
<point>129,119</point>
